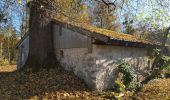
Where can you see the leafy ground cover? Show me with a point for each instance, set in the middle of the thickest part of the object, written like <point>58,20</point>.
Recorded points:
<point>57,84</point>
<point>158,89</point>
<point>54,84</point>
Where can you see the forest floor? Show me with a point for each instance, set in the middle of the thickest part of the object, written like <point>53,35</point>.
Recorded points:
<point>57,84</point>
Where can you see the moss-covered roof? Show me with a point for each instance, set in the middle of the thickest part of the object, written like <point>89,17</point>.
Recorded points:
<point>112,35</point>
<point>108,36</point>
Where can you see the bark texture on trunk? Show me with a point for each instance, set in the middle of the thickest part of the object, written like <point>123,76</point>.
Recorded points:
<point>41,48</point>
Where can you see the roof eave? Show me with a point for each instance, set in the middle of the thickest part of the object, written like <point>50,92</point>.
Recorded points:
<point>133,44</point>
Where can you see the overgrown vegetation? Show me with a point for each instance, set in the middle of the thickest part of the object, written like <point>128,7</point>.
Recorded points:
<point>4,62</point>
<point>128,75</point>
<point>152,90</point>
<point>161,68</point>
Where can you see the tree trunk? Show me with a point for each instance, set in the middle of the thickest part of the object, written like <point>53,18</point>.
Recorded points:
<point>41,50</point>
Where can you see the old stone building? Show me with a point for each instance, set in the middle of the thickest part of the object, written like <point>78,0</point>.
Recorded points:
<point>92,53</point>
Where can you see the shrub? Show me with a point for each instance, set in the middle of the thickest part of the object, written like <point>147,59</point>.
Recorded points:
<point>165,71</point>
<point>4,62</point>
<point>166,62</point>
<point>161,66</point>
<point>133,86</point>
<point>128,75</point>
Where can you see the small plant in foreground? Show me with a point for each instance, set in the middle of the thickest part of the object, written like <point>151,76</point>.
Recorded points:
<point>119,86</point>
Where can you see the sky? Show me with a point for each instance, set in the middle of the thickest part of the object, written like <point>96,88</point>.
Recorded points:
<point>14,15</point>
<point>17,16</point>
<point>149,9</point>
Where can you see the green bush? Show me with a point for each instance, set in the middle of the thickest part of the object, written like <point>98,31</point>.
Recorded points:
<point>128,75</point>
<point>160,67</point>
<point>166,62</point>
<point>4,62</point>
<point>164,68</point>
<point>133,86</point>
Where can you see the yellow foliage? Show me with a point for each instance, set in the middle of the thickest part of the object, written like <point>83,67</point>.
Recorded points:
<point>70,10</point>
<point>159,89</point>
<point>105,17</point>
<point>4,62</point>
<point>83,18</point>
<point>83,7</point>
<point>112,18</point>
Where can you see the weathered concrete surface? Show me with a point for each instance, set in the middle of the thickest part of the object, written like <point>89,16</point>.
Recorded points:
<point>98,69</point>
<point>23,52</point>
<point>65,38</point>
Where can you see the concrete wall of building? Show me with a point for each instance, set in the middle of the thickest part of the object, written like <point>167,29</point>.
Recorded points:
<point>65,38</point>
<point>99,68</point>
<point>96,64</point>
<point>23,52</point>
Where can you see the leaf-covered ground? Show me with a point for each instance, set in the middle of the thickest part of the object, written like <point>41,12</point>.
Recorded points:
<point>57,84</point>
<point>54,84</point>
<point>158,89</point>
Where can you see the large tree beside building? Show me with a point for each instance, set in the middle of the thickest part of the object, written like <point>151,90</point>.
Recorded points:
<point>41,50</point>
